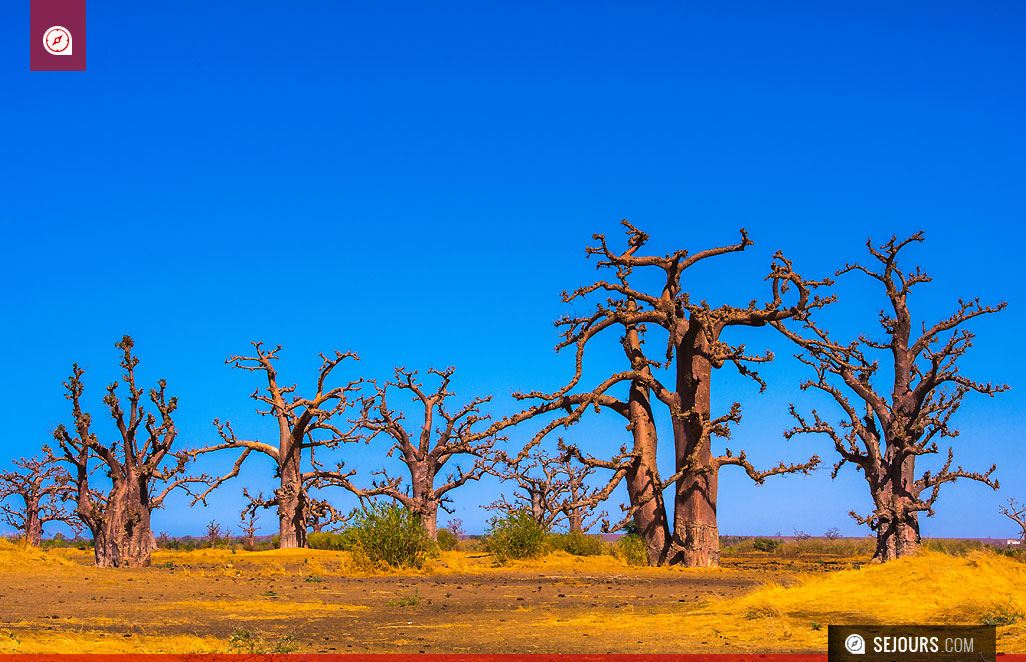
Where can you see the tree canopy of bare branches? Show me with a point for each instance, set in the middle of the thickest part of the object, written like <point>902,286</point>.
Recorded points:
<point>552,488</point>
<point>303,424</point>
<point>1016,512</point>
<point>694,348</point>
<point>439,435</point>
<point>882,433</point>
<point>42,485</point>
<point>140,479</point>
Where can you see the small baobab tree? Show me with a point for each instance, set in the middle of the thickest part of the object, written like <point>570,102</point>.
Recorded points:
<point>427,449</point>
<point>214,532</point>
<point>1016,512</point>
<point>303,424</point>
<point>882,433</point>
<point>42,486</point>
<point>139,463</point>
<point>694,349</point>
<point>248,526</point>
<point>552,488</point>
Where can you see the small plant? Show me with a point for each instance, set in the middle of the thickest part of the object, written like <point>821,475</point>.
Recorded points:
<point>1005,614</point>
<point>631,548</point>
<point>576,543</point>
<point>515,535</point>
<point>765,544</point>
<point>169,565</point>
<point>832,533</point>
<point>247,641</point>
<point>406,600</point>
<point>269,594</point>
<point>314,578</point>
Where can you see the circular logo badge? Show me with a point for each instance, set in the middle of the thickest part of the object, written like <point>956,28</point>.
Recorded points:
<point>855,644</point>
<point>57,40</point>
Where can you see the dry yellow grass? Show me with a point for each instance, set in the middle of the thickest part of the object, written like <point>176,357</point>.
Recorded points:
<point>99,642</point>
<point>244,609</point>
<point>930,588</point>
<point>20,556</point>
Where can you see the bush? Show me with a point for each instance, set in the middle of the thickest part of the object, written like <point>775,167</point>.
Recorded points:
<point>765,544</point>
<point>386,533</point>
<point>447,540</point>
<point>576,543</point>
<point>631,549</point>
<point>515,535</point>
<point>324,540</point>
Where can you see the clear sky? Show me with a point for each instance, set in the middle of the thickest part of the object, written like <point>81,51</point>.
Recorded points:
<point>418,181</point>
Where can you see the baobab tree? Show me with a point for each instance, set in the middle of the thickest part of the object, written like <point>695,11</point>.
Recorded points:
<point>214,531</point>
<point>1016,512</point>
<point>134,461</point>
<point>883,433</point>
<point>248,526</point>
<point>442,435</point>
<point>42,485</point>
<point>694,348</point>
<point>303,424</point>
<point>552,488</point>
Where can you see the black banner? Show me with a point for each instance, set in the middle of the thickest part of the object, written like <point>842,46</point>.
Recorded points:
<point>911,643</point>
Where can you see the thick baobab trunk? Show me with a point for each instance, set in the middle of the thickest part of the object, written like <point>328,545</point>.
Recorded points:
<point>292,503</point>
<point>537,504</point>
<point>642,479</point>
<point>897,529</point>
<point>896,537</point>
<point>124,538</point>
<point>422,502</point>
<point>696,542</point>
<point>429,519</point>
<point>33,525</point>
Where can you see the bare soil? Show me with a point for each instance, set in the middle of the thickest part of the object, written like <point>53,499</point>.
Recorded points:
<point>556,608</point>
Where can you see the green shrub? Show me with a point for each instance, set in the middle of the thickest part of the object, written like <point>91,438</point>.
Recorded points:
<point>387,533</point>
<point>515,535</point>
<point>447,540</point>
<point>324,540</point>
<point>576,543</point>
<point>248,642</point>
<point>631,549</point>
<point>765,544</point>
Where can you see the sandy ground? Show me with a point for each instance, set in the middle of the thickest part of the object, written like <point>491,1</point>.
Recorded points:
<point>461,604</point>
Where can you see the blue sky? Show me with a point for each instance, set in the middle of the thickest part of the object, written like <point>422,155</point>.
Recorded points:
<point>418,184</point>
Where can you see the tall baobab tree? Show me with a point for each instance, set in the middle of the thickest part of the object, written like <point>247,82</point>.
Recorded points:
<point>303,425</point>
<point>134,461</point>
<point>882,434</point>
<point>694,349</point>
<point>552,488</point>
<point>442,435</point>
<point>1016,512</point>
<point>42,485</point>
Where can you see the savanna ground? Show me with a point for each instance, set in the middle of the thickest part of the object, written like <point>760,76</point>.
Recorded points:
<point>316,601</point>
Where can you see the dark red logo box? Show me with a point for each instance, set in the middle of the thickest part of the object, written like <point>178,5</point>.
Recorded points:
<point>61,25</point>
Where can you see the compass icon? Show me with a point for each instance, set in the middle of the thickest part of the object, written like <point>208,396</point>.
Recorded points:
<point>57,40</point>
